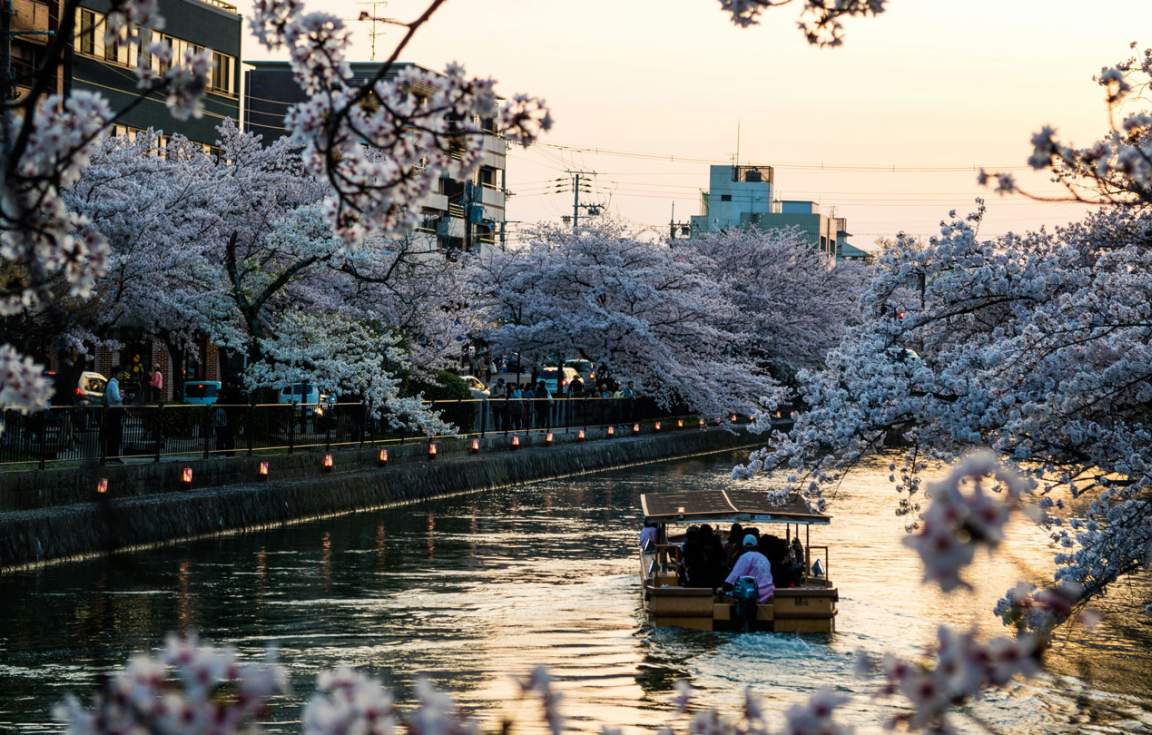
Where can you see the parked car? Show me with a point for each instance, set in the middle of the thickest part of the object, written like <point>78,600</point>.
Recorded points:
<point>584,367</point>
<point>202,392</point>
<point>475,386</point>
<point>307,394</point>
<point>556,379</point>
<point>88,390</point>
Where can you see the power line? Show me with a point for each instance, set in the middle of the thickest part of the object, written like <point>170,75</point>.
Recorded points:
<point>870,167</point>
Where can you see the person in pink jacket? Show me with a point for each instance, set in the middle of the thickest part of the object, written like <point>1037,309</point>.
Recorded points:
<point>753,564</point>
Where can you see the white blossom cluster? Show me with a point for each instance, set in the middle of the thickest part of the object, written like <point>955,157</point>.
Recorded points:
<point>23,385</point>
<point>819,20</point>
<point>382,145</point>
<point>960,669</point>
<point>187,689</point>
<point>1030,609</point>
<point>967,509</point>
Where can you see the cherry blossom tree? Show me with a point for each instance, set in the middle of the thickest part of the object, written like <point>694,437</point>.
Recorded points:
<point>238,246</point>
<point>649,312</point>
<point>1036,346</point>
<point>794,303</point>
<point>49,252</point>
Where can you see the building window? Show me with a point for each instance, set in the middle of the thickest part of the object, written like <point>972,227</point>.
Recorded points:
<point>429,219</point>
<point>222,73</point>
<point>123,50</point>
<point>157,66</point>
<point>488,177</point>
<point>86,34</point>
<point>725,197</point>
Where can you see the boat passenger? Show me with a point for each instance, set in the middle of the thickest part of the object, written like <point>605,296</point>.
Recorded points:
<point>796,563</point>
<point>753,564</point>
<point>734,546</point>
<point>694,564</point>
<point>717,559</point>
<point>649,535</point>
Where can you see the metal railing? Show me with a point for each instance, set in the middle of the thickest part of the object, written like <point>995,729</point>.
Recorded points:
<point>158,432</point>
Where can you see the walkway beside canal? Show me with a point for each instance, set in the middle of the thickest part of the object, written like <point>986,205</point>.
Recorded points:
<point>301,488</point>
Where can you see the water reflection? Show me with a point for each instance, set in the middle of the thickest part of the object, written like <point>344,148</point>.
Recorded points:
<point>474,590</point>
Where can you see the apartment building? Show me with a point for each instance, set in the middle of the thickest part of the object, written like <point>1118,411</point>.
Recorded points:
<point>744,196</point>
<point>107,66</point>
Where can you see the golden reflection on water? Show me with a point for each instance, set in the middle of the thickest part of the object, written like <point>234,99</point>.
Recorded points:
<point>183,599</point>
<point>476,590</point>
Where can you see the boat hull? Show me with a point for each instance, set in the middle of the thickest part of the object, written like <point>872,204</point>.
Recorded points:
<point>792,610</point>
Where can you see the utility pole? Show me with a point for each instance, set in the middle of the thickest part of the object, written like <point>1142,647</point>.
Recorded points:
<point>580,179</point>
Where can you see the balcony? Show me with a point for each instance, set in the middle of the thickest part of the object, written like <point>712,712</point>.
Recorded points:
<point>491,196</point>
<point>495,144</point>
<point>31,16</point>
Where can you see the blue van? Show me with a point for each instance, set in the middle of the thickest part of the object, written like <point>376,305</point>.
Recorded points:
<point>202,392</point>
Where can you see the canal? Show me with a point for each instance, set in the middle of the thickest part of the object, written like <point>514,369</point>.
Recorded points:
<point>472,590</point>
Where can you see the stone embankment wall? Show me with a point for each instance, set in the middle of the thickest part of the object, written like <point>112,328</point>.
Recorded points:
<point>135,514</point>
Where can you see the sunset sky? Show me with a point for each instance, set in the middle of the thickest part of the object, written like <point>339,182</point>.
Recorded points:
<point>942,85</point>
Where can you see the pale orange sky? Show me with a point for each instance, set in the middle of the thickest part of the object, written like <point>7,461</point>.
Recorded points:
<point>929,84</point>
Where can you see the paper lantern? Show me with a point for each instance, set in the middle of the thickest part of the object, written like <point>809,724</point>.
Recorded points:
<point>186,477</point>
<point>475,446</point>
<point>548,439</point>
<point>327,463</point>
<point>580,435</point>
<point>635,428</point>
<point>102,486</point>
<point>515,441</point>
<point>611,431</point>
<point>262,471</point>
<point>382,458</point>
<point>432,450</point>
<point>656,426</point>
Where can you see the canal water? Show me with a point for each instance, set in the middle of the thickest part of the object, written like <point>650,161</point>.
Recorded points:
<point>474,590</point>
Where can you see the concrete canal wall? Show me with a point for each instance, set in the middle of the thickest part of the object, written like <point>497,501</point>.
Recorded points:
<point>135,514</point>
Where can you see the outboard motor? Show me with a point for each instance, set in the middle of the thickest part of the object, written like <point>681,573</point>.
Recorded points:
<point>746,594</point>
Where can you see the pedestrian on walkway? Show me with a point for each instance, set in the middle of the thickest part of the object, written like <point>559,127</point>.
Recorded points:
<point>156,383</point>
<point>113,417</point>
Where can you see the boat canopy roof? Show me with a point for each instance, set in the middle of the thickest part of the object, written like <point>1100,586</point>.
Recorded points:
<point>699,506</point>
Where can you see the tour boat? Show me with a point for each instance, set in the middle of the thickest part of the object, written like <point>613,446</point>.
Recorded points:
<point>807,607</point>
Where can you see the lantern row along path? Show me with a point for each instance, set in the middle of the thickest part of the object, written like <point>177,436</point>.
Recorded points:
<point>133,507</point>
